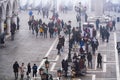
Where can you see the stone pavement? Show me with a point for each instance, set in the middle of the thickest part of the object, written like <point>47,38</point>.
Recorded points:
<point>27,48</point>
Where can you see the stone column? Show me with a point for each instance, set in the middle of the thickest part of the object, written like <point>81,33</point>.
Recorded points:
<point>1,26</point>
<point>8,25</point>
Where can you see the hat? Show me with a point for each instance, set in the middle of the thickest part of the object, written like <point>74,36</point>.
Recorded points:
<point>69,21</point>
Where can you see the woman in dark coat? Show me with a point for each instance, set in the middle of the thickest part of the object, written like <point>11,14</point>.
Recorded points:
<point>28,70</point>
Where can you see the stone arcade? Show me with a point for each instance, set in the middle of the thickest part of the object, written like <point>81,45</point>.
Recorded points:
<point>8,13</point>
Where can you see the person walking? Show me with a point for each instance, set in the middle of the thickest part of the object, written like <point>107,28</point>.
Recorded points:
<point>34,70</point>
<point>63,42</point>
<point>16,69</point>
<point>2,40</point>
<point>97,24</point>
<point>28,70</point>
<point>22,71</point>
<point>114,24</point>
<point>13,29</point>
<point>18,20</point>
<point>89,58</point>
<point>59,47</point>
<point>99,61</point>
<point>36,27</point>
<point>107,35</point>
<point>66,68</point>
<point>45,30</point>
<point>41,31</point>
<point>63,64</point>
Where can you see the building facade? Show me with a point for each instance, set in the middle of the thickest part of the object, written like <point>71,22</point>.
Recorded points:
<point>97,6</point>
<point>8,13</point>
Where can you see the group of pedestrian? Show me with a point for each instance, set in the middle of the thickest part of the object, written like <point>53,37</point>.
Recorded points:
<point>104,33</point>
<point>85,39</point>
<point>22,70</point>
<point>42,28</point>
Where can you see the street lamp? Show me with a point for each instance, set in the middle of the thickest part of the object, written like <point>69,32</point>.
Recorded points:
<point>79,15</point>
<point>59,73</point>
<point>69,53</point>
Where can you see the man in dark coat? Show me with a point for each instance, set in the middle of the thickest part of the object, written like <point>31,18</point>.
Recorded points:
<point>99,61</point>
<point>89,58</point>
<point>18,20</point>
<point>51,29</point>
<point>66,68</point>
<point>113,24</point>
<point>59,46</point>
<point>63,64</point>
<point>97,24</point>
<point>107,35</point>
<point>16,69</point>
<point>34,70</point>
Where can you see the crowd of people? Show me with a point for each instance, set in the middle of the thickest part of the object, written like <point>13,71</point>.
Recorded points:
<point>82,41</point>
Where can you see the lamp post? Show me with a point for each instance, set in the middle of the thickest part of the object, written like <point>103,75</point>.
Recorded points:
<point>59,73</point>
<point>69,53</point>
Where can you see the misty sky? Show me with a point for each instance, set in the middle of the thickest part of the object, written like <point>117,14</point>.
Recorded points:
<point>43,3</point>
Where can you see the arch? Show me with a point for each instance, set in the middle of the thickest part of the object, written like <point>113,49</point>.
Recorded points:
<point>8,8</point>
<point>2,11</point>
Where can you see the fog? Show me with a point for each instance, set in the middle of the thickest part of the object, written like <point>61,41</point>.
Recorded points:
<point>57,4</point>
<point>51,3</point>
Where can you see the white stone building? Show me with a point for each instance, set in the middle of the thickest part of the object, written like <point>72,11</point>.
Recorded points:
<point>8,13</point>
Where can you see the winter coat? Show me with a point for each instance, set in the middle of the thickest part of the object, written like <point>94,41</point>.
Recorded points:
<point>59,46</point>
<point>15,67</point>
<point>89,57</point>
<point>99,58</point>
